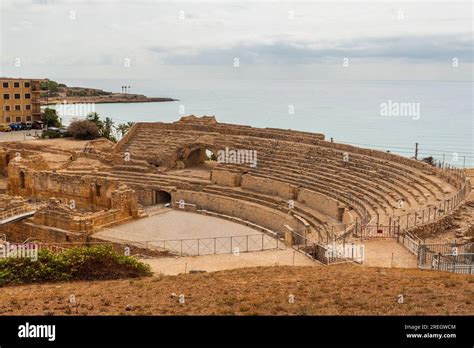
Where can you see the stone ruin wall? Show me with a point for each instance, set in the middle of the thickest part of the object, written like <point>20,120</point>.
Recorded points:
<point>57,222</point>
<point>20,231</point>
<point>286,191</point>
<point>260,215</point>
<point>10,154</point>
<point>83,190</point>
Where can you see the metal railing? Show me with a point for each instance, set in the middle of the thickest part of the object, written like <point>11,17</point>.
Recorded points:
<point>209,245</point>
<point>432,213</point>
<point>410,242</point>
<point>329,253</point>
<point>16,211</point>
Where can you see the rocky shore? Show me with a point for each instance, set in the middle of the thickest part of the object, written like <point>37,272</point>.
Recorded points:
<point>105,99</point>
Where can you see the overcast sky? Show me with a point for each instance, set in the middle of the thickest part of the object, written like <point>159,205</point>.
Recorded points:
<point>271,39</point>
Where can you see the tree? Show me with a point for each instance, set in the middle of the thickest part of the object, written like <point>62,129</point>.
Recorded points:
<point>51,86</point>
<point>107,129</point>
<point>84,130</point>
<point>51,118</point>
<point>94,117</point>
<point>123,128</point>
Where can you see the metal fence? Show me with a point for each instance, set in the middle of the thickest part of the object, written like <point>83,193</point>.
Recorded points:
<point>461,263</point>
<point>449,256</point>
<point>409,241</point>
<point>210,245</point>
<point>329,253</point>
<point>433,213</point>
<point>377,231</point>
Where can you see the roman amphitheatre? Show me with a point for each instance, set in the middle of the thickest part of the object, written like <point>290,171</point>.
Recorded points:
<point>165,194</point>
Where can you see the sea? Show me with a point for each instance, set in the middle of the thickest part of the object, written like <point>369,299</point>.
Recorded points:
<point>384,115</point>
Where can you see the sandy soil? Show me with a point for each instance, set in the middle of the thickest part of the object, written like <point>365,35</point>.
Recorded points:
<point>378,253</point>
<point>59,143</point>
<point>176,224</point>
<point>212,263</point>
<point>334,290</point>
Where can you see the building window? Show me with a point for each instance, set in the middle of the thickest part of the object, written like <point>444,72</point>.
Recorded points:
<point>18,107</point>
<point>27,96</point>
<point>27,107</point>
<point>28,118</point>
<point>5,85</point>
<point>27,85</point>
<point>7,107</point>
<point>6,96</point>
<point>16,84</point>
<point>7,119</point>
<point>18,119</point>
<point>17,96</point>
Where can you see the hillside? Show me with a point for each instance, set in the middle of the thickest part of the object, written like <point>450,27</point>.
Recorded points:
<point>336,290</point>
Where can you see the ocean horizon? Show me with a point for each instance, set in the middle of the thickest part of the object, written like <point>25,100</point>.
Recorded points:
<point>347,111</point>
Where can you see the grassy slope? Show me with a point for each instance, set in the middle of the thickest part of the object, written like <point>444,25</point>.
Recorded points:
<point>335,290</point>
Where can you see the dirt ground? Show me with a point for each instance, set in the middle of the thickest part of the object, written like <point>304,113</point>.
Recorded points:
<point>175,224</point>
<point>378,253</point>
<point>284,290</point>
<point>59,143</point>
<point>212,263</point>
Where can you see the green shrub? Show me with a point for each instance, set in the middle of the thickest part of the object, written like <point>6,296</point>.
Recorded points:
<point>79,263</point>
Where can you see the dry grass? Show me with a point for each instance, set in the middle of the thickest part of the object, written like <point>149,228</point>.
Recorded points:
<point>335,290</point>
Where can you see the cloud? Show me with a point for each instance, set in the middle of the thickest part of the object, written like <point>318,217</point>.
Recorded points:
<point>153,34</point>
<point>431,48</point>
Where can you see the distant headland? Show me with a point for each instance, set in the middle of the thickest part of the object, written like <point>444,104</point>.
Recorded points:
<point>56,93</point>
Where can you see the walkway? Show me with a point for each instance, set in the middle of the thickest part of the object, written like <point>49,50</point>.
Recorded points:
<point>378,253</point>
<point>212,263</point>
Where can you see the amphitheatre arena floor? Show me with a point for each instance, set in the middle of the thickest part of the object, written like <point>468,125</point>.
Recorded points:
<point>173,224</point>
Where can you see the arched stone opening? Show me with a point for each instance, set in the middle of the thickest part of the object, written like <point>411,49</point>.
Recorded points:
<point>162,197</point>
<point>195,158</point>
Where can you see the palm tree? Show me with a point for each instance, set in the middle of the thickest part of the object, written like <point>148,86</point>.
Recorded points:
<point>107,129</point>
<point>94,117</point>
<point>123,128</point>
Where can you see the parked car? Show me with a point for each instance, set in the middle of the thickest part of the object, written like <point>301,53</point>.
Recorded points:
<point>54,129</point>
<point>15,126</point>
<point>26,125</point>
<point>37,125</point>
<point>5,128</point>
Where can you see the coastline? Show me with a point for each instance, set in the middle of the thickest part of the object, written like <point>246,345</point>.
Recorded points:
<point>87,100</point>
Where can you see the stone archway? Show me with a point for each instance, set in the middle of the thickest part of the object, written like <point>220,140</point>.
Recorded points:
<point>195,158</point>
<point>161,197</point>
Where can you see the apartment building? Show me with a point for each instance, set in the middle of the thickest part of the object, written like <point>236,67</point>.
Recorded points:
<point>20,100</point>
